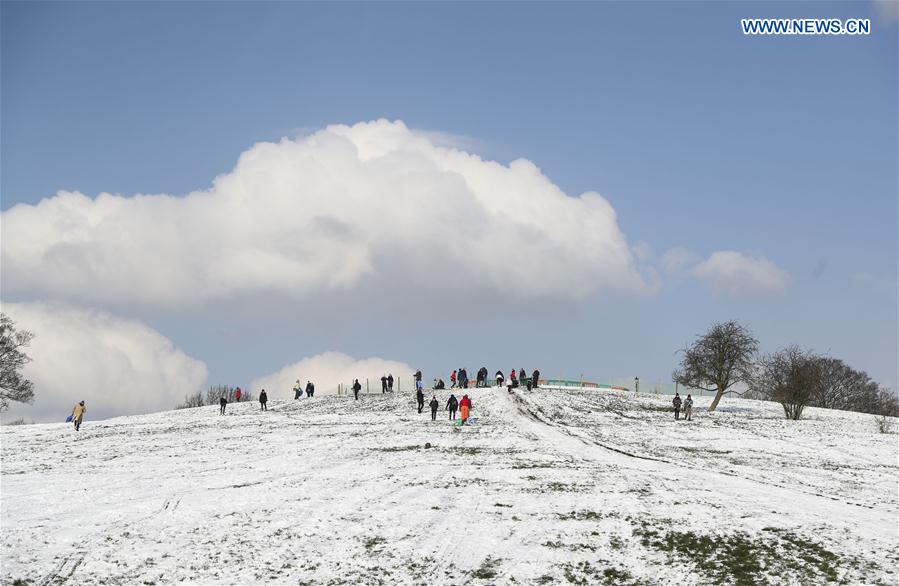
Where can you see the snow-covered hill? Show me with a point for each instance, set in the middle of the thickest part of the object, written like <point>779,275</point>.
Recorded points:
<point>558,486</point>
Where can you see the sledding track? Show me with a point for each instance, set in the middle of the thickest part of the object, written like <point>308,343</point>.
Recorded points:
<point>549,486</point>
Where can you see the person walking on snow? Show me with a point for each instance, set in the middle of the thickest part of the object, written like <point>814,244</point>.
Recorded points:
<point>420,399</point>
<point>297,390</point>
<point>78,412</point>
<point>237,395</point>
<point>417,378</point>
<point>676,402</point>
<point>390,382</point>
<point>435,405</point>
<point>535,378</point>
<point>499,378</point>
<point>356,388</point>
<point>383,384</point>
<point>222,402</point>
<point>263,399</point>
<point>453,380</point>
<point>310,388</point>
<point>688,408</point>
<point>521,376</point>
<point>452,405</point>
<point>465,408</point>
<point>513,378</point>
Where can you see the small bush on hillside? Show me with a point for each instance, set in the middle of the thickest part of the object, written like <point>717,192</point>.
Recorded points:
<point>885,424</point>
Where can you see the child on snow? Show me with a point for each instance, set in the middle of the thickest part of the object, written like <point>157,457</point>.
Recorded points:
<point>465,408</point>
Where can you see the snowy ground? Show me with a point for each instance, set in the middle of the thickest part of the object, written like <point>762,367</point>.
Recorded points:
<point>567,486</point>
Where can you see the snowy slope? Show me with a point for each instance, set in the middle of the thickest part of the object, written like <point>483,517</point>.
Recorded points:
<point>563,486</point>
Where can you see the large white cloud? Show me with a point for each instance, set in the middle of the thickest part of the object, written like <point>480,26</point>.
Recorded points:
<point>329,369</point>
<point>735,273</point>
<point>347,217</point>
<point>117,366</point>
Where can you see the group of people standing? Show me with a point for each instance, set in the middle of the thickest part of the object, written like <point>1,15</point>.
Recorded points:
<point>452,405</point>
<point>298,389</point>
<point>687,405</point>
<point>459,378</point>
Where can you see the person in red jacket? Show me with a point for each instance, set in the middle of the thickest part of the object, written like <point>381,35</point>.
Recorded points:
<point>464,408</point>
<point>453,380</point>
<point>237,395</point>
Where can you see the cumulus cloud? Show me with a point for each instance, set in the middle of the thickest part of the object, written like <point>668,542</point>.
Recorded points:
<point>735,273</point>
<point>346,217</point>
<point>329,369</point>
<point>117,366</point>
<point>676,260</point>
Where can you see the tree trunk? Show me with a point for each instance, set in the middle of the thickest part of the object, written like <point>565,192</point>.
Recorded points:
<point>718,396</point>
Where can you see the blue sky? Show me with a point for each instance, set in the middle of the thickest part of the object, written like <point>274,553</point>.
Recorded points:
<point>700,138</point>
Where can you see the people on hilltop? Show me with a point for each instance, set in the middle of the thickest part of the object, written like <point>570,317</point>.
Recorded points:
<point>465,408</point>
<point>237,394</point>
<point>298,390</point>
<point>522,375</point>
<point>383,383</point>
<point>463,378</point>
<point>417,377</point>
<point>389,382</point>
<point>676,402</point>
<point>688,408</point>
<point>499,378</point>
<point>452,405</point>
<point>223,402</point>
<point>310,388</point>
<point>420,398</point>
<point>513,378</point>
<point>453,380</point>
<point>78,412</point>
<point>439,384</point>
<point>263,399</point>
<point>535,378</point>
<point>356,388</point>
<point>435,405</point>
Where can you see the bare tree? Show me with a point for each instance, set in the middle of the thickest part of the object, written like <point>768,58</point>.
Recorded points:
<point>792,377</point>
<point>194,400</point>
<point>842,387</point>
<point>718,360</point>
<point>212,396</point>
<point>13,386</point>
<point>216,392</point>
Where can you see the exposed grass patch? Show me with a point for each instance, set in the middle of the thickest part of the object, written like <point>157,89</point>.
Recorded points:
<point>397,449</point>
<point>742,559</point>
<point>373,542</point>
<point>583,516</point>
<point>706,451</point>
<point>466,450</point>
<point>528,465</point>
<point>561,487</point>
<point>584,573</point>
<point>487,570</point>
